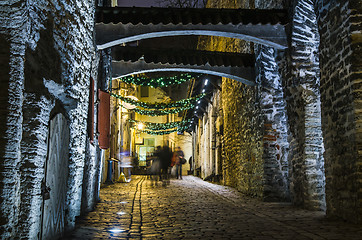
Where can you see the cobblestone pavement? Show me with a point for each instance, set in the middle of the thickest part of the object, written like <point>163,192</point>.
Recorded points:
<point>195,209</point>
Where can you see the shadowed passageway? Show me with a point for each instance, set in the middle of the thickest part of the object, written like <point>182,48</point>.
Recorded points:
<point>194,209</point>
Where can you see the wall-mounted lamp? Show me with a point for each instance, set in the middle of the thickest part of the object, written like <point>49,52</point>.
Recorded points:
<point>140,126</point>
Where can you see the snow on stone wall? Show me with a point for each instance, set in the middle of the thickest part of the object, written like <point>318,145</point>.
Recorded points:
<point>92,165</point>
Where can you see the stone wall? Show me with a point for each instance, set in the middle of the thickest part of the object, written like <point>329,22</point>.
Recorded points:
<point>274,116</point>
<point>208,138</point>
<point>242,146</point>
<point>242,163</point>
<point>241,141</point>
<point>274,119</point>
<point>12,30</point>
<point>339,25</point>
<point>300,70</point>
<point>255,142</point>
<point>319,75</point>
<point>49,57</point>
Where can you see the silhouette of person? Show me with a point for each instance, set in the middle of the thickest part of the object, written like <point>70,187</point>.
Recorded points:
<point>179,162</point>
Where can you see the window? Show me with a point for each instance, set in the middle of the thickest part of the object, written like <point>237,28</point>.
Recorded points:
<point>149,142</point>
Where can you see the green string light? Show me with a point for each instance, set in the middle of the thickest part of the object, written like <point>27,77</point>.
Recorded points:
<point>161,126</point>
<point>160,81</point>
<point>160,112</point>
<point>181,129</point>
<point>176,104</point>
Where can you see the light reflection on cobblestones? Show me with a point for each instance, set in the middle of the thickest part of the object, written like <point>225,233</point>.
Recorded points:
<point>194,209</point>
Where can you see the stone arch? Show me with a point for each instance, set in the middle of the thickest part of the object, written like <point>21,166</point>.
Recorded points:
<point>122,25</point>
<point>131,60</point>
<point>122,69</point>
<point>184,32</point>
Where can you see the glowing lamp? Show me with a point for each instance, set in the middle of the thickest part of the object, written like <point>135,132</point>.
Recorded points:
<point>140,126</point>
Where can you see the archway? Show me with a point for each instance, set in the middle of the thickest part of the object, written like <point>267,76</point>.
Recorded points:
<point>115,26</point>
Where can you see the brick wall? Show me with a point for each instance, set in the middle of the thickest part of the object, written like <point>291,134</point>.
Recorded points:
<point>340,64</point>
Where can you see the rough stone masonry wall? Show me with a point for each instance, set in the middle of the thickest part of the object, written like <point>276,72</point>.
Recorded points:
<point>340,62</point>
<point>274,118</point>
<point>92,165</point>
<point>242,140</point>
<point>242,147</point>
<point>51,55</point>
<point>301,87</point>
<point>255,133</point>
<point>12,31</point>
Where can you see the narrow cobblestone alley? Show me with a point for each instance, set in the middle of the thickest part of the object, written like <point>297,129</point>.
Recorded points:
<point>195,209</point>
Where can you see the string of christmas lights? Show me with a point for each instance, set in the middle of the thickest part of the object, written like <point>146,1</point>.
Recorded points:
<point>182,129</point>
<point>158,112</point>
<point>176,104</point>
<point>160,81</point>
<point>161,126</point>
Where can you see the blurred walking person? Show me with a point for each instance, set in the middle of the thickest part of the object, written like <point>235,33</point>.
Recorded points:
<point>180,159</point>
<point>165,156</point>
<point>155,169</point>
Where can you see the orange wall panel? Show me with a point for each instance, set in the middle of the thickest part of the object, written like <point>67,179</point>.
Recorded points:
<point>103,119</point>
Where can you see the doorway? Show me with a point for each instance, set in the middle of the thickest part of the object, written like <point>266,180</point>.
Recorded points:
<point>54,187</point>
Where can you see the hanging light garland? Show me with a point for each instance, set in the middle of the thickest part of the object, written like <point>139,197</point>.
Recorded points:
<point>160,112</point>
<point>161,126</point>
<point>182,129</point>
<point>176,104</point>
<point>160,81</point>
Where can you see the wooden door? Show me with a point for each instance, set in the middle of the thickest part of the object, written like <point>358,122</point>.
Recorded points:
<point>56,176</point>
